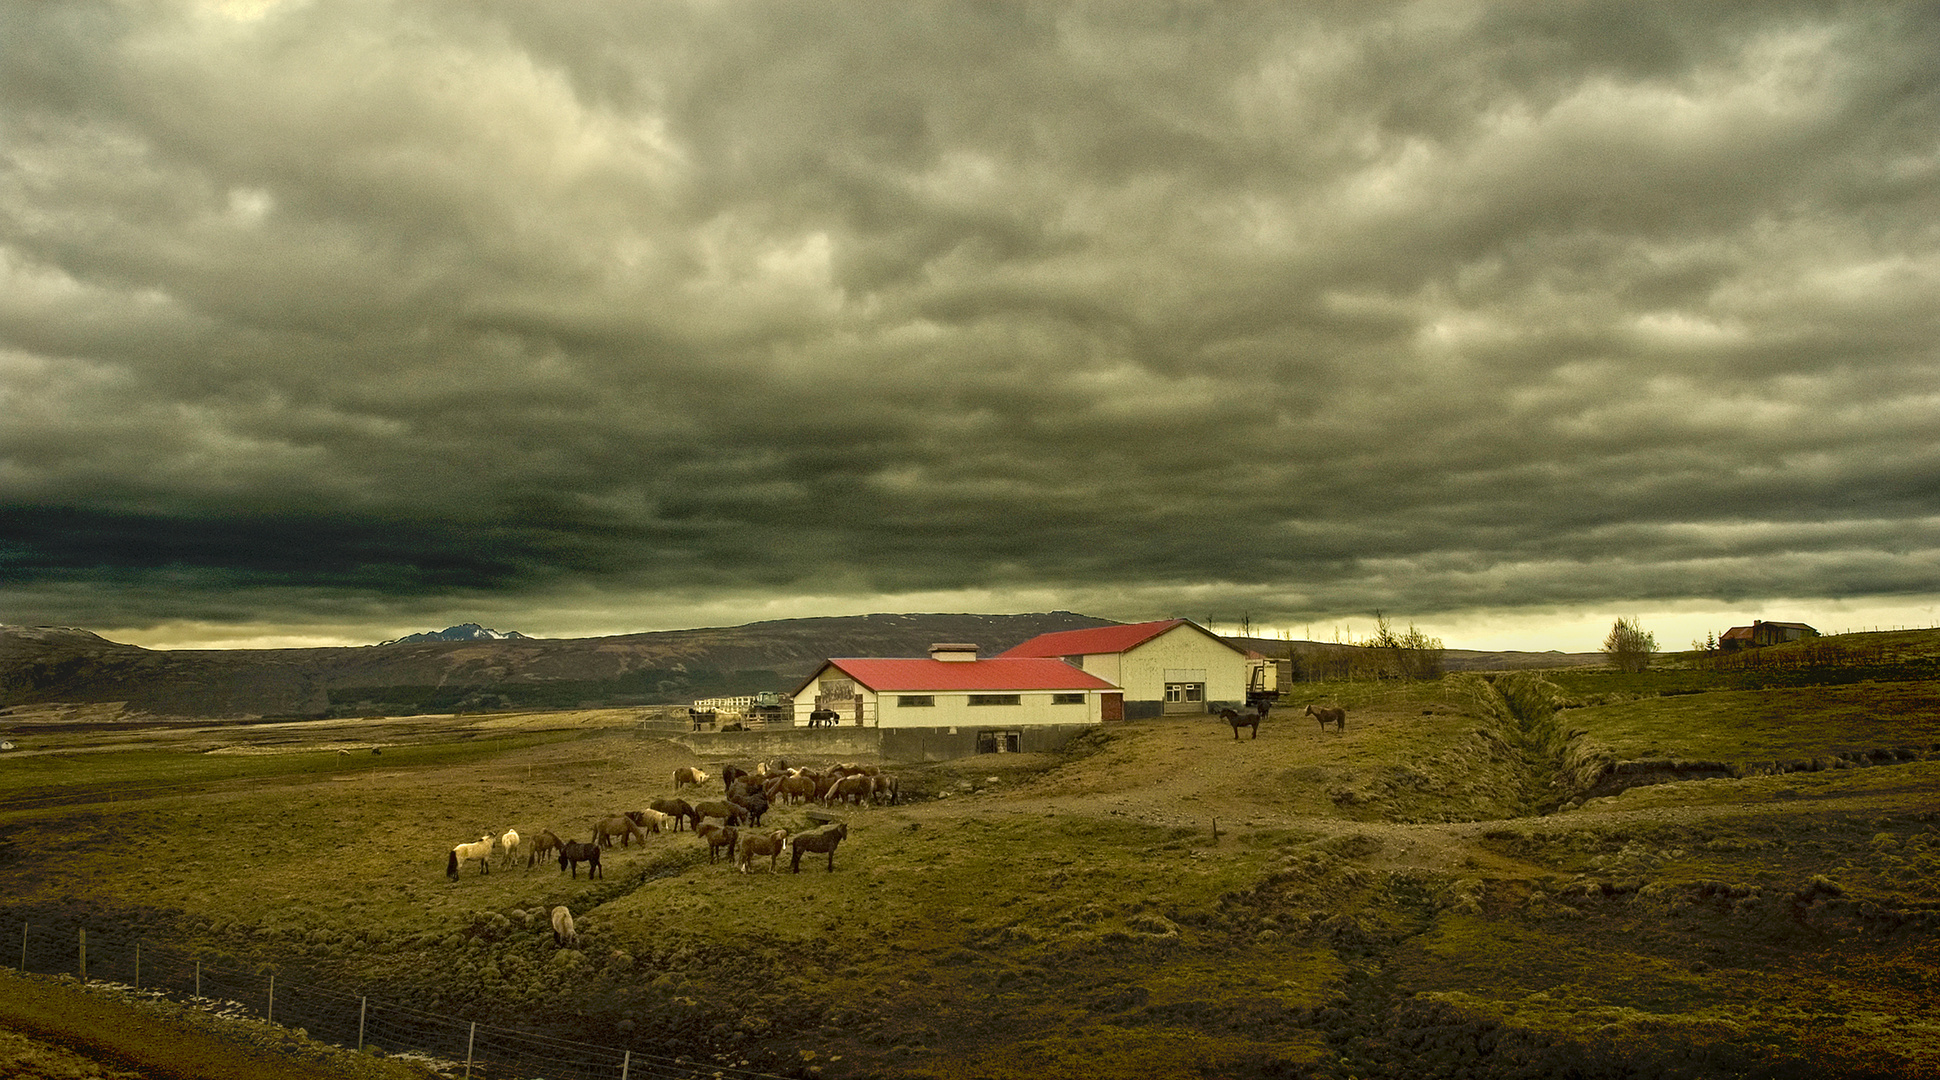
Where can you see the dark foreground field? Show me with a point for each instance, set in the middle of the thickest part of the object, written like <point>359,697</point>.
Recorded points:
<point>1475,879</point>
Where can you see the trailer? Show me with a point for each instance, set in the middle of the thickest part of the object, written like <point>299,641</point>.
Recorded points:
<point>1266,679</point>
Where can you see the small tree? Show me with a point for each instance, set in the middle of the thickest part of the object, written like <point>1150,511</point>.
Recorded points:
<point>1629,646</point>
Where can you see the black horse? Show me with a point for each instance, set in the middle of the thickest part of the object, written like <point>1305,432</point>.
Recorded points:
<point>1249,718</point>
<point>824,718</point>
<point>574,852</point>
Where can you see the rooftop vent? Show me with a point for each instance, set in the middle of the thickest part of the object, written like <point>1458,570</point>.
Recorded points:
<point>953,652</point>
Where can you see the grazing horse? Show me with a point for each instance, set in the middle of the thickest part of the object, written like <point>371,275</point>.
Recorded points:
<point>545,843</point>
<point>482,851</point>
<point>819,840</point>
<point>562,928</point>
<point>620,825</point>
<point>773,844</point>
<point>510,842</point>
<point>688,775</point>
<point>824,718</point>
<point>574,852</point>
<point>1335,716</point>
<point>1249,718</point>
<point>718,836</point>
<point>652,821</point>
<point>678,809</point>
<point>728,812</point>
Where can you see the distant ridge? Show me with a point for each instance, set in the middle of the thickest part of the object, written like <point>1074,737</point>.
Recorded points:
<point>479,670</point>
<point>470,631</point>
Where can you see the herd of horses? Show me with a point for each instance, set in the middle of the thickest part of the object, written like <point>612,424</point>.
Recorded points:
<point>730,824</point>
<point>733,822</point>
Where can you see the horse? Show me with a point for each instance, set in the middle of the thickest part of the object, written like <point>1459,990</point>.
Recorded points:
<point>652,821</point>
<point>824,718</point>
<point>797,788</point>
<point>701,718</point>
<point>563,933</point>
<point>510,842</point>
<point>728,812</point>
<point>620,825</point>
<point>819,840</point>
<point>773,844</point>
<point>688,775</point>
<point>885,787</point>
<point>1334,716</point>
<point>545,843</point>
<point>850,788</point>
<point>718,836</point>
<point>678,809</point>
<point>482,851</point>
<point>574,852</point>
<point>1249,718</point>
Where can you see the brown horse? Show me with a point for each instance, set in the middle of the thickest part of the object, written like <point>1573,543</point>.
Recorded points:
<point>688,775</point>
<point>620,825</point>
<point>1334,716</point>
<point>679,809</point>
<point>718,836</point>
<point>545,843</point>
<point>773,844</point>
<point>819,840</point>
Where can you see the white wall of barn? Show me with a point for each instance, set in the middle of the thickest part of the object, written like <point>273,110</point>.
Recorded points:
<point>1143,668</point>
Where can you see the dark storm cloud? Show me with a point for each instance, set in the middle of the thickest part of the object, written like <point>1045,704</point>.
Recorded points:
<point>1302,309</point>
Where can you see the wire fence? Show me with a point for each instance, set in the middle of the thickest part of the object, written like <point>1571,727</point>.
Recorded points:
<point>456,1047</point>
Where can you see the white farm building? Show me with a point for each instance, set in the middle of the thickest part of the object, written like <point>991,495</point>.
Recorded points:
<point>1169,667</point>
<point>999,698</point>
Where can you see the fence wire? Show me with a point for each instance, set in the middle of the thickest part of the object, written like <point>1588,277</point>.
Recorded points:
<point>351,1021</point>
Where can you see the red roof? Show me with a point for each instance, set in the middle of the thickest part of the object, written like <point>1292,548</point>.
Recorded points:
<point>1100,639</point>
<point>903,675</point>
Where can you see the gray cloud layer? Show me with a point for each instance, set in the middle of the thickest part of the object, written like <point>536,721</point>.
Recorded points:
<point>314,312</point>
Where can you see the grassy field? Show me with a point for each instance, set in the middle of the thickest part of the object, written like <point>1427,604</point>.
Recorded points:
<point>1161,899</point>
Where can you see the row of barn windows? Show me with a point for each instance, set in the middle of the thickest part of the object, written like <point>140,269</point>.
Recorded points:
<point>917,701</point>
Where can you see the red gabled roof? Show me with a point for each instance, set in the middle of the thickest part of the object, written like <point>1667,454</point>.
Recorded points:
<point>906,675</point>
<point>1102,639</point>
<point>1736,632</point>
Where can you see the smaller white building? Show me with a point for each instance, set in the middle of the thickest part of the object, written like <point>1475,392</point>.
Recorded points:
<point>953,689</point>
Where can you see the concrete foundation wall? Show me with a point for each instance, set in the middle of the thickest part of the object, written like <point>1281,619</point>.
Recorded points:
<point>908,744</point>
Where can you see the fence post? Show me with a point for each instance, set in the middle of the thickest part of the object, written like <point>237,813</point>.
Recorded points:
<point>84,954</point>
<point>269,1012</point>
<point>23,948</point>
<point>469,1040</point>
<point>626,1062</point>
<point>138,965</point>
<point>198,976</point>
<point>363,1005</point>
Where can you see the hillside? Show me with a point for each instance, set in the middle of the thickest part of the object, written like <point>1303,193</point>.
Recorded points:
<point>42,665</point>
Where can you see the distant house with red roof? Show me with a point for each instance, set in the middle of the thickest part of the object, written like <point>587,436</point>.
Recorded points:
<point>1172,666</point>
<point>953,689</point>
<point>1761,633</point>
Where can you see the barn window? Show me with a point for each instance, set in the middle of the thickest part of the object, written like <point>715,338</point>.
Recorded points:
<point>996,699</point>
<point>912,701</point>
<point>1067,699</point>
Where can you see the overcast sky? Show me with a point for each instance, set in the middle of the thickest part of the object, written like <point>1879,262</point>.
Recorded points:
<point>325,323</point>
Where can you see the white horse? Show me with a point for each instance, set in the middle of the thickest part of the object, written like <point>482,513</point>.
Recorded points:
<point>562,928</point>
<point>482,851</point>
<point>510,842</point>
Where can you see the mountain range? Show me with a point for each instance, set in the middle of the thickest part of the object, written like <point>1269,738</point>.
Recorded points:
<point>485,670</point>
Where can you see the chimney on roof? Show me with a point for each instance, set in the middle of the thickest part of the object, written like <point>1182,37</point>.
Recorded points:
<point>953,652</point>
